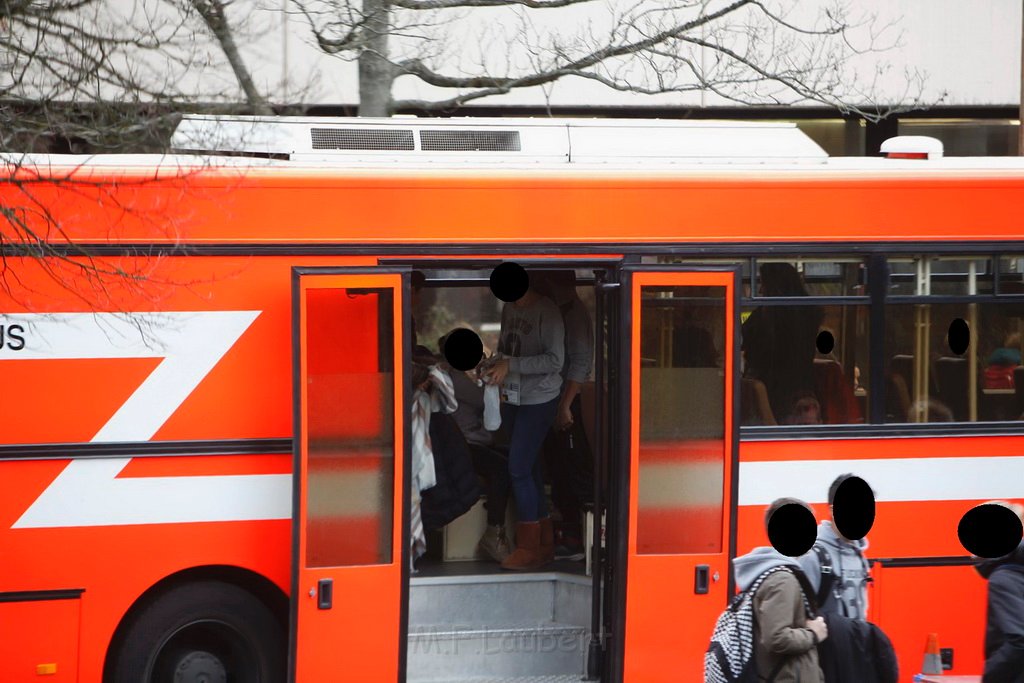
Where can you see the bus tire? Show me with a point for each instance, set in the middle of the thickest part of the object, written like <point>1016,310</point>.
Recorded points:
<point>201,631</point>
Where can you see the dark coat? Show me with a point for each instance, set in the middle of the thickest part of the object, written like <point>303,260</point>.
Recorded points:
<point>457,488</point>
<point>856,651</point>
<point>1004,630</point>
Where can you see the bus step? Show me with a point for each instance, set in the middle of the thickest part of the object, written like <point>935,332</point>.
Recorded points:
<point>500,599</point>
<point>545,652</point>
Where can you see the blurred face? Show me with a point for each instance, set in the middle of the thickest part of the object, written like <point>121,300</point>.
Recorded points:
<point>832,516</point>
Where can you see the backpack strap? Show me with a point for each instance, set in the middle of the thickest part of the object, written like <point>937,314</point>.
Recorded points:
<point>828,574</point>
<point>810,600</point>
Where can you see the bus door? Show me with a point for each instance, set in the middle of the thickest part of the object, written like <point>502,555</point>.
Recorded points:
<point>678,451</point>
<point>350,554</point>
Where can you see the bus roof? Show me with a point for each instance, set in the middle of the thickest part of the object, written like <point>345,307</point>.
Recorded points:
<point>50,165</point>
<point>304,147</point>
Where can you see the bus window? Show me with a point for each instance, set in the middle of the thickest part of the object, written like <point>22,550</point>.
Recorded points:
<point>682,426</point>
<point>805,343</point>
<point>1011,274</point>
<point>350,431</point>
<point>820,276</point>
<point>930,381</point>
<point>837,371</point>
<point>940,276</point>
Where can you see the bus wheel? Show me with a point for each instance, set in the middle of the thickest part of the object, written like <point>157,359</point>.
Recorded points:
<point>207,631</point>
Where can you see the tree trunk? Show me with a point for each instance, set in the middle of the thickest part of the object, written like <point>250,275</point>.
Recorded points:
<point>213,14</point>
<point>376,74</point>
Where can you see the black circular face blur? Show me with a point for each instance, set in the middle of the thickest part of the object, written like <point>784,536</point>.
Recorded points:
<point>509,281</point>
<point>792,530</point>
<point>959,336</point>
<point>853,508</point>
<point>825,342</point>
<point>463,349</point>
<point>989,530</point>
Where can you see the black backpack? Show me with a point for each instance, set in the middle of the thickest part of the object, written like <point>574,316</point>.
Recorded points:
<point>887,666</point>
<point>730,658</point>
<point>856,652</point>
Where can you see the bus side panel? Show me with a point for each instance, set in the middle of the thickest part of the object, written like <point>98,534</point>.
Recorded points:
<point>40,638</point>
<point>909,603</point>
<point>912,602</point>
<point>115,564</point>
<point>535,207</point>
<point>245,395</point>
<point>913,595</point>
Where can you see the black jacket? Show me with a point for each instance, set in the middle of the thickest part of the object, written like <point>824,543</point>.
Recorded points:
<point>856,651</point>
<point>1004,630</point>
<point>457,488</point>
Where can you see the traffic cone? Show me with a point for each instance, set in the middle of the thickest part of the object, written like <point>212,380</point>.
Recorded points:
<point>932,660</point>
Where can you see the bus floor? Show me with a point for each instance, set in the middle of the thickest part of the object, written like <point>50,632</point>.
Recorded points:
<point>428,567</point>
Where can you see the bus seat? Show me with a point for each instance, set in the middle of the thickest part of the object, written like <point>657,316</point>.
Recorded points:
<point>903,366</point>
<point>951,377</point>
<point>1018,390</point>
<point>897,399</point>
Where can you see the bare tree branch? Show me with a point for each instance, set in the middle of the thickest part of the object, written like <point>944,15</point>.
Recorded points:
<point>213,14</point>
<point>87,76</point>
<point>745,51</point>
<point>450,4</point>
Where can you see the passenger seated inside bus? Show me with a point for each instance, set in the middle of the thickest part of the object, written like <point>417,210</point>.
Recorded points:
<point>452,490</point>
<point>779,345</point>
<point>1002,362</point>
<point>488,450</point>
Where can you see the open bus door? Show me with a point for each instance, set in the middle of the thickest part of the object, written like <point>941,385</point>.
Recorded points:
<point>350,551</point>
<point>678,441</point>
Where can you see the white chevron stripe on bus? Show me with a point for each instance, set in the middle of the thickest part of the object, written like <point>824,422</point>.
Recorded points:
<point>892,479</point>
<point>191,344</point>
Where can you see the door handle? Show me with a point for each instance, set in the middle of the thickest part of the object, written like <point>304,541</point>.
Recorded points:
<point>325,593</point>
<point>701,576</point>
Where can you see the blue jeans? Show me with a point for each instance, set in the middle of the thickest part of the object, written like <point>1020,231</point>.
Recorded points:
<point>527,427</point>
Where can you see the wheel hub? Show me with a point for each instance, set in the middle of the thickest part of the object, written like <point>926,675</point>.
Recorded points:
<point>200,667</point>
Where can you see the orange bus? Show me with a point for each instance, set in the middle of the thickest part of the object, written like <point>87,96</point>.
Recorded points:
<point>206,417</point>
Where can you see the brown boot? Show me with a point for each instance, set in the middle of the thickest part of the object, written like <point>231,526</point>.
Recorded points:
<point>526,556</point>
<point>547,540</point>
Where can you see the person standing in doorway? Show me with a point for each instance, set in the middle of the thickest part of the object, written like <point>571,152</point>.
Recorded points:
<point>531,353</point>
<point>567,453</point>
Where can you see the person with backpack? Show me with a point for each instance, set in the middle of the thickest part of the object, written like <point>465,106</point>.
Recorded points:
<point>776,606</point>
<point>1004,620</point>
<point>836,566</point>
<point>838,572</point>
